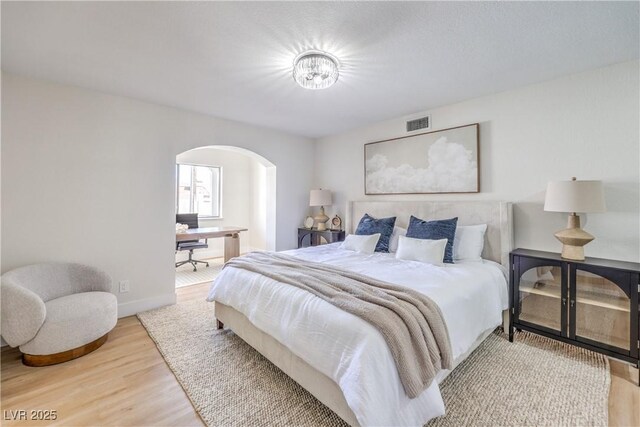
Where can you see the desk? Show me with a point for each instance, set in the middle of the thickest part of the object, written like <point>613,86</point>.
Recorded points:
<point>231,238</point>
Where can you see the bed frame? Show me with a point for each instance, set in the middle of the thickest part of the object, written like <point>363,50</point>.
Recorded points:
<point>498,244</point>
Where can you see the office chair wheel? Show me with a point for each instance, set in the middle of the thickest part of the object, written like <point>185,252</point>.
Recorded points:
<point>195,269</point>
<point>207,264</point>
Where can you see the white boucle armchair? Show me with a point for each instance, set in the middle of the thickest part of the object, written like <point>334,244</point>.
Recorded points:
<point>56,312</point>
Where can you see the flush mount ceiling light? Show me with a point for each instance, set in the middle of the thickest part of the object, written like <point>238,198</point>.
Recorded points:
<point>315,70</point>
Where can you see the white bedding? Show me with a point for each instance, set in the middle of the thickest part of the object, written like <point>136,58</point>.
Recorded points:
<point>471,296</point>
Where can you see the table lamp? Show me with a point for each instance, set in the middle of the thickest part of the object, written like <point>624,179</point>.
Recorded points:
<point>320,198</point>
<point>574,196</point>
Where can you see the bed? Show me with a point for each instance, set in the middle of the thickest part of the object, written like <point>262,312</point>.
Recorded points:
<point>343,360</point>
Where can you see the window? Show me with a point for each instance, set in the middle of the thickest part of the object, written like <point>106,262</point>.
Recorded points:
<point>199,190</point>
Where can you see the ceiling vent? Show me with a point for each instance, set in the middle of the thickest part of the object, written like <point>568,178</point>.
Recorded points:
<point>419,124</point>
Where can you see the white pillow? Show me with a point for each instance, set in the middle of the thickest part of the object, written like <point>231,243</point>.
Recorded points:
<point>393,241</point>
<point>423,250</point>
<point>469,242</point>
<point>361,243</point>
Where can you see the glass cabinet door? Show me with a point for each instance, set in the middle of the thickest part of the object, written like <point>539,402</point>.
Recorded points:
<point>541,298</point>
<point>304,240</point>
<point>602,311</point>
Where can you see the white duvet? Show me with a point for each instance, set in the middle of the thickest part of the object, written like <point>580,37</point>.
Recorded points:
<point>471,296</point>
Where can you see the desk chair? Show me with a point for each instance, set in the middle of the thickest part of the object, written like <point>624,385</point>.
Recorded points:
<point>189,245</point>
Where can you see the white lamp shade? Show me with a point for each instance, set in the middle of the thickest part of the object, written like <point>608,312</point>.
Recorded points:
<point>320,198</point>
<point>575,196</point>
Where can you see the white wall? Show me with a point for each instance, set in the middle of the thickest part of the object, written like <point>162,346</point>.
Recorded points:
<point>243,179</point>
<point>584,125</point>
<point>89,177</point>
<point>260,193</point>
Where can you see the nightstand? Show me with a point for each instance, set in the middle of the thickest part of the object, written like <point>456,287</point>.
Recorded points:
<point>592,303</point>
<point>313,237</point>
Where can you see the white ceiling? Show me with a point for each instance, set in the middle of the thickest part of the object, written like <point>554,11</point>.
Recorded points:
<point>234,60</point>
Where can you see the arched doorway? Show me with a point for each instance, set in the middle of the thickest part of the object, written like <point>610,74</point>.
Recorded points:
<point>226,186</point>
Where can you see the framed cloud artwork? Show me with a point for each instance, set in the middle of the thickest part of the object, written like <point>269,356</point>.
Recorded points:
<point>443,161</point>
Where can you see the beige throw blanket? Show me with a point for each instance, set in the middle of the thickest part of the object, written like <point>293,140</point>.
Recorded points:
<point>410,322</point>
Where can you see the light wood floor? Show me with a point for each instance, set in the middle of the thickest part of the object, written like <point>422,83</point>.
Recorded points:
<point>127,383</point>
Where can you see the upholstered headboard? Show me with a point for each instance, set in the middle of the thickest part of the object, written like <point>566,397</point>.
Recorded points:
<point>497,216</point>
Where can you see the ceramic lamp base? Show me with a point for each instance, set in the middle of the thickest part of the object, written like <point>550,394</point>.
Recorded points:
<point>573,239</point>
<point>321,219</point>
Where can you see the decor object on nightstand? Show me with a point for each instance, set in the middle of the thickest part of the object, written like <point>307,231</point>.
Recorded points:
<point>336,223</point>
<point>320,198</point>
<point>574,196</point>
<point>308,222</point>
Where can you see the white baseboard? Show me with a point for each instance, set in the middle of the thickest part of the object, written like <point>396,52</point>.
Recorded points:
<point>135,307</point>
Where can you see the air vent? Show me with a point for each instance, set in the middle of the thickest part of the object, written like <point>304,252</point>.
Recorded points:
<point>418,124</point>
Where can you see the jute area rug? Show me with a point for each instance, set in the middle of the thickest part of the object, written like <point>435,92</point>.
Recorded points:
<point>185,276</point>
<point>531,382</point>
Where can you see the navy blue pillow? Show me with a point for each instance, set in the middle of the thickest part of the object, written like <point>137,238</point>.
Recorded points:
<point>368,225</point>
<point>435,230</point>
